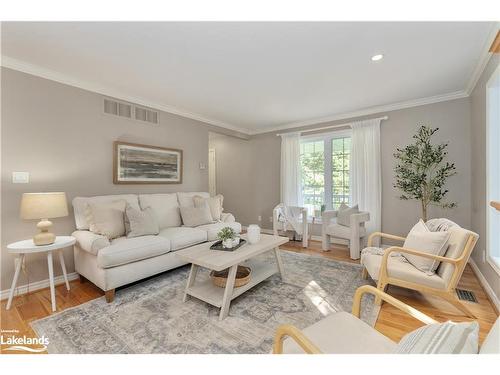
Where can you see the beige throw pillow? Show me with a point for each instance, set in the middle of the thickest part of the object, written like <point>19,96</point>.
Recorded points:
<point>107,219</point>
<point>215,204</point>
<point>344,214</point>
<point>422,239</point>
<point>195,216</point>
<point>140,223</point>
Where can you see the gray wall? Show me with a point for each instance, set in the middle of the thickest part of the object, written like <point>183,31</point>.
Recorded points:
<point>452,117</point>
<point>478,181</point>
<point>60,135</point>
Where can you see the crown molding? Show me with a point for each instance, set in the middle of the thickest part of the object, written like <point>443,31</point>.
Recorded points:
<point>483,59</point>
<point>25,67</point>
<point>369,111</point>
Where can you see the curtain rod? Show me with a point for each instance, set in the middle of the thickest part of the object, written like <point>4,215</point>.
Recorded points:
<point>331,126</point>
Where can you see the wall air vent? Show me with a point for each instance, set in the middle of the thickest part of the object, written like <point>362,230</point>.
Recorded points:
<point>114,107</point>
<point>146,114</point>
<point>130,111</point>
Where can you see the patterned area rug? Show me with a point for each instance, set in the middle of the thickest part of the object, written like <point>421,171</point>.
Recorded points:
<point>150,317</point>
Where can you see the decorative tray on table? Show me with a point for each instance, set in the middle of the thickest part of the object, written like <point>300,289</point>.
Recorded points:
<point>218,246</point>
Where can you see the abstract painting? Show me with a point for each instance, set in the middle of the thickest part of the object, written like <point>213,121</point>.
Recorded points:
<point>143,164</point>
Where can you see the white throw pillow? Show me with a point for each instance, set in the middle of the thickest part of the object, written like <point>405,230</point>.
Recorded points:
<point>140,223</point>
<point>215,204</point>
<point>441,338</point>
<point>422,239</point>
<point>195,216</point>
<point>107,219</point>
<point>344,214</point>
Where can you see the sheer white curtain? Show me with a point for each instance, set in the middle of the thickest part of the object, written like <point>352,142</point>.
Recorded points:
<point>366,180</point>
<point>291,189</point>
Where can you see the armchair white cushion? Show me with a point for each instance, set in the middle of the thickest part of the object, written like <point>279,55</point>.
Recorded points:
<point>354,233</point>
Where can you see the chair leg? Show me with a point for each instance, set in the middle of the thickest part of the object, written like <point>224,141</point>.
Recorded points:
<point>453,300</point>
<point>326,242</point>
<point>364,273</point>
<point>380,286</point>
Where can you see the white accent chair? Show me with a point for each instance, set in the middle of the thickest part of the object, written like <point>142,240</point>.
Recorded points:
<point>297,224</point>
<point>354,233</point>
<point>344,333</point>
<point>388,269</point>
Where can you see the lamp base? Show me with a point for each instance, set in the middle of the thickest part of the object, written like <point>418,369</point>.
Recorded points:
<point>44,237</point>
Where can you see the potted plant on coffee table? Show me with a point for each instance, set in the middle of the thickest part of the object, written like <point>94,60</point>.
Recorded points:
<point>228,237</point>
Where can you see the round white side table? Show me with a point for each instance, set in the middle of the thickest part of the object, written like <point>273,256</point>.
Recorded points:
<point>28,247</point>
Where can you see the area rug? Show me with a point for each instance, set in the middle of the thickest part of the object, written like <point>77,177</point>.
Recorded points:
<point>150,317</point>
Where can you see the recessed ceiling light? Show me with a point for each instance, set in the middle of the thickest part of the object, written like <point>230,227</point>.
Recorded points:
<point>377,57</point>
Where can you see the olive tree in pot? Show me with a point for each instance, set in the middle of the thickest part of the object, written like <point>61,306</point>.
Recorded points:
<point>421,171</point>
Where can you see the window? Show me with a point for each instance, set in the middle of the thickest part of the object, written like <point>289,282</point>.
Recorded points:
<point>325,170</point>
<point>492,168</point>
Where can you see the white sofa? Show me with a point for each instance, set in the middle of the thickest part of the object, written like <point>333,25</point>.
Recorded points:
<point>111,264</point>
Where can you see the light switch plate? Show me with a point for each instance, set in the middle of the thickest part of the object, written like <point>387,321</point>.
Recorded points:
<point>203,165</point>
<point>20,177</point>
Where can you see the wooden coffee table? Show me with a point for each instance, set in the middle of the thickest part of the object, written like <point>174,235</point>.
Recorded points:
<point>201,256</point>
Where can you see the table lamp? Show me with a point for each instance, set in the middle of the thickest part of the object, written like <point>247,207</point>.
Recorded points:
<point>43,206</point>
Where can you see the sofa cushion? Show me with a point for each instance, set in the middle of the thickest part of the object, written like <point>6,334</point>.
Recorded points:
<point>140,222</point>
<point>213,229</point>
<point>400,269</point>
<point>441,338</point>
<point>80,205</point>
<point>165,207</point>
<point>186,199</point>
<point>343,333</point>
<point>107,218</point>
<point>181,237</point>
<point>342,231</point>
<point>127,250</point>
<point>194,216</point>
<point>215,204</point>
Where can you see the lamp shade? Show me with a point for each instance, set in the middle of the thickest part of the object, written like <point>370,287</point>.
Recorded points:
<point>43,205</point>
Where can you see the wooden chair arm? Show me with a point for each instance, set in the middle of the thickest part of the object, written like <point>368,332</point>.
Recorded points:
<point>293,332</point>
<point>383,235</point>
<point>356,305</point>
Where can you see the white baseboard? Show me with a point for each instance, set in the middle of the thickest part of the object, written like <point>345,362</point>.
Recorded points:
<point>486,286</point>
<point>23,289</point>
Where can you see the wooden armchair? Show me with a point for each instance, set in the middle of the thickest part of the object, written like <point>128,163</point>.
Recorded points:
<point>341,332</point>
<point>389,270</point>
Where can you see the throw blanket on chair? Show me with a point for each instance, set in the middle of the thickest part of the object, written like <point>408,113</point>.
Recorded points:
<point>292,216</point>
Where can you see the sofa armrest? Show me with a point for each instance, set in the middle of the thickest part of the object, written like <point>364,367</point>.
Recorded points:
<point>226,217</point>
<point>90,242</point>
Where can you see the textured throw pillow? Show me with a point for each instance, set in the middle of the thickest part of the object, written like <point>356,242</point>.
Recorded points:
<point>422,239</point>
<point>215,204</point>
<point>107,219</point>
<point>344,214</point>
<point>194,216</point>
<point>441,338</point>
<point>140,223</point>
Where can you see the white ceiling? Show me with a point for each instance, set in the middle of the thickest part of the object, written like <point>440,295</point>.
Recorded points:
<point>254,76</point>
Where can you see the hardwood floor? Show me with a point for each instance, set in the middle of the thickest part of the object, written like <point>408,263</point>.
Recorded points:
<point>391,322</point>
